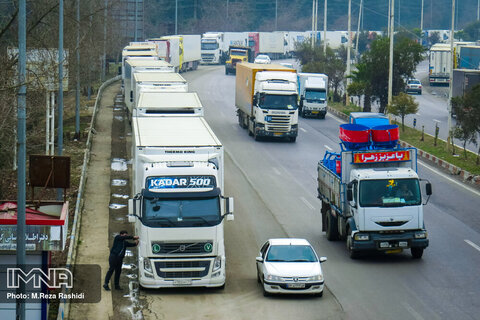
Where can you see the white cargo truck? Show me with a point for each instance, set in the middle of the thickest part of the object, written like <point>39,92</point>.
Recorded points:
<point>440,64</point>
<point>151,104</point>
<point>154,81</point>
<point>142,65</point>
<point>179,205</point>
<point>272,44</point>
<point>192,53</point>
<point>168,49</point>
<point>266,100</point>
<point>138,51</point>
<point>313,91</point>
<point>211,47</point>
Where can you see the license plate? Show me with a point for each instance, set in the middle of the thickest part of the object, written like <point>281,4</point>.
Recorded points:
<point>394,251</point>
<point>296,285</point>
<point>182,282</point>
<point>314,112</point>
<point>277,134</point>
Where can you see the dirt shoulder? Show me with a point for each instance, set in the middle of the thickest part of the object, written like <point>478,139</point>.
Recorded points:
<point>93,247</point>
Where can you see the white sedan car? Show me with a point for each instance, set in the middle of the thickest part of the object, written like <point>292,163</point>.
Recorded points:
<point>262,58</point>
<point>290,266</point>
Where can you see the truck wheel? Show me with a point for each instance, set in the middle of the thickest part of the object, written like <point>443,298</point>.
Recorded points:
<point>321,116</point>
<point>255,136</point>
<point>416,252</point>
<point>352,253</point>
<point>304,114</point>
<point>332,231</point>
<point>226,71</point>
<point>293,139</point>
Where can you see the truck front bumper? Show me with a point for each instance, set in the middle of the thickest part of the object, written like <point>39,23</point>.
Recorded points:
<point>388,241</point>
<point>263,133</point>
<point>313,113</point>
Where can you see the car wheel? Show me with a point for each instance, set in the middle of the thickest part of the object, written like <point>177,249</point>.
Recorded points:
<point>258,277</point>
<point>265,293</point>
<point>222,287</point>
<point>417,253</point>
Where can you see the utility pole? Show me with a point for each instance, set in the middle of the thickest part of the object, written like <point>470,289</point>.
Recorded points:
<point>347,98</point>
<point>104,59</point>
<point>358,28</point>
<point>136,21</point>
<point>21,138</point>
<point>388,19</point>
<point>313,24</point>
<point>176,16</point>
<point>421,18</point>
<point>60,87</point>
<point>316,21</point>
<point>390,61</point>
<point>227,10</point>
<point>478,10</point>
<point>77,76</point>
<point>276,14</point>
<point>325,27</point>
<point>450,93</point>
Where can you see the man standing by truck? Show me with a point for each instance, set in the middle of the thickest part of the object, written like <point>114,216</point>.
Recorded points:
<point>117,253</point>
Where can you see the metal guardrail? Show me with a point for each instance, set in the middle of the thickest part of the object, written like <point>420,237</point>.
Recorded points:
<point>64,306</point>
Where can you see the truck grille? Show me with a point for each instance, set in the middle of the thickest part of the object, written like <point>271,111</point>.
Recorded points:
<point>235,61</point>
<point>202,267</point>
<point>207,57</point>
<point>182,248</point>
<point>278,123</point>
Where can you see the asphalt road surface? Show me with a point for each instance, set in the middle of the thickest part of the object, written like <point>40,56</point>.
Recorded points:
<point>444,284</point>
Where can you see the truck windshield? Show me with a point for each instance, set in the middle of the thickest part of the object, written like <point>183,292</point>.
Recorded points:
<point>277,101</point>
<point>209,46</point>
<point>177,213</point>
<point>390,193</point>
<point>315,96</point>
<point>242,53</point>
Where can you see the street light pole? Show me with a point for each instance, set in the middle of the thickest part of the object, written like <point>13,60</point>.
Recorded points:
<point>421,19</point>
<point>176,16</point>
<point>450,93</point>
<point>313,24</point>
<point>390,61</point>
<point>325,27</point>
<point>21,159</point>
<point>349,49</point>
<point>276,14</point>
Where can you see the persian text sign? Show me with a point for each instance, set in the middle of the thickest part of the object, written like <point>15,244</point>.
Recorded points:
<point>387,156</point>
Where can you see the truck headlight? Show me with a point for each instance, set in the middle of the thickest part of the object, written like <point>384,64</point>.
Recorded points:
<point>217,263</point>
<point>361,237</point>
<point>147,266</point>
<point>271,277</point>
<point>421,235</point>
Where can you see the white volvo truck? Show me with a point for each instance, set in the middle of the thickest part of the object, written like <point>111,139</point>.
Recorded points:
<point>266,100</point>
<point>179,207</point>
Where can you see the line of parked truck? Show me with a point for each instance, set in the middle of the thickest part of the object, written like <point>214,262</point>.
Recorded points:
<point>178,206</point>
<point>370,190</point>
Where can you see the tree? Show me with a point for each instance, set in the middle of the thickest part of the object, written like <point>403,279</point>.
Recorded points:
<point>373,67</point>
<point>314,60</point>
<point>467,111</point>
<point>402,105</point>
<point>433,38</point>
<point>471,32</point>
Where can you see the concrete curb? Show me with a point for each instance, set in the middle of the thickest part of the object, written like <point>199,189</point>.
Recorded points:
<point>64,305</point>
<point>466,176</point>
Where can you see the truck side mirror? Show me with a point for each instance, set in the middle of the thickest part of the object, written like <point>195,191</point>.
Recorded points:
<point>255,100</point>
<point>428,188</point>
<point>133,209</point>
<point>119,70</point>
<point>131,96</point>
<point>349,194</point>
<point>229,209</point>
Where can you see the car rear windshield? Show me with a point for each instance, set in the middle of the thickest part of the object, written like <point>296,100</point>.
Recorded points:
<point>291,253</point>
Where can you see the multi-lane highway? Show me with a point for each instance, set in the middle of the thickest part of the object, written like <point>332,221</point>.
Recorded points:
<point>274,185</point>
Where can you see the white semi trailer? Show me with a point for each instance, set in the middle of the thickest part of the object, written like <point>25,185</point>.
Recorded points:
<point>179,205</point>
